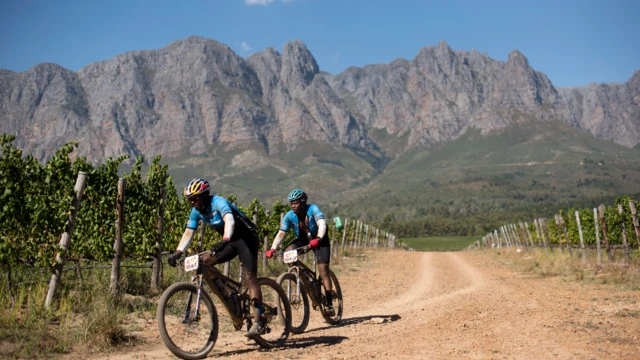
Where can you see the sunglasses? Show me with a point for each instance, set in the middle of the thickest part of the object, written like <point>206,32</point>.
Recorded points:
<point>193,199</point>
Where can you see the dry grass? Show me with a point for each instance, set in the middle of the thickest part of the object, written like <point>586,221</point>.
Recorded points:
<point>86,319</point>
<point>571,267</point>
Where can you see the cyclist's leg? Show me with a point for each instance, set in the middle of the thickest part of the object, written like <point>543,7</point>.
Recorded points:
<point>227,254</point>
<point>248,253</point>
<point>323,258</point>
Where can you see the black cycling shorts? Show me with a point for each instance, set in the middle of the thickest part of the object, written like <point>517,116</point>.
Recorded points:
<point>323,252</point>
<point>245,247</point>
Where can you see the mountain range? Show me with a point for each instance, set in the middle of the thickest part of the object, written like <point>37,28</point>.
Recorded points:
<point>261,124</point>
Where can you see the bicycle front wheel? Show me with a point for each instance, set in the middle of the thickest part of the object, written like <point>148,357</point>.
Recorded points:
<point>276,317</point>
<point>188,329</point>
<point>298,300</point>
<point>337,301</point>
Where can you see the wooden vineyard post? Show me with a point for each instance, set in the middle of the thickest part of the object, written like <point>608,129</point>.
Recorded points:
<point>518,234</point>
<point>584,253</point>
<point>526,227</point>
<point>505,236</point>
<point>599,248</point>
<point>65,239</point>
<point>566,237</point>
<point>281,218</point>
<point>344,234</point>
<point>636,225</point>
<point>156,274</point>
<point>117,244</point>
<point>538,238</point>
<point>509,233</point>
<point>545,233</point>
<point>623,230</point>
<point>266,244</point>
<point>333,238</point>
<point>524,235</point>
<point>605,235</point>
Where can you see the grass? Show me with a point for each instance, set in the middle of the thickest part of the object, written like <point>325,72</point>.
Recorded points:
<point>440,243</point>
<point>87,319</point>
<point>571,268</point>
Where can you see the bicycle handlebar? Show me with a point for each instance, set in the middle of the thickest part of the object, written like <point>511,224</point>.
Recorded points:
<point>301,250</point>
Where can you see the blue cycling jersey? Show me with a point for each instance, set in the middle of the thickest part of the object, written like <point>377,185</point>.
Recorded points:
<point>213,215</point>
<point>290,220</point>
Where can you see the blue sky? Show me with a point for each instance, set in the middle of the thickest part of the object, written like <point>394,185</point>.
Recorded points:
<point>574,42</point>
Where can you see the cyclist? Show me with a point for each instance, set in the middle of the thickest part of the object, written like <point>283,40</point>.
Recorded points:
<point>239,238</point>
<point>310,227</point>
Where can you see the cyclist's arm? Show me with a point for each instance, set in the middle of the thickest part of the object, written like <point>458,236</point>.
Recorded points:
<point>186,239</point>
<point>278,239</point>
<point>322,228</point>
<point>229,225</point>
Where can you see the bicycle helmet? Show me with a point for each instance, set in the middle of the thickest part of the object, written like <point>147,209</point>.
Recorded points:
<point>297,194</point>
<point>196,187</point>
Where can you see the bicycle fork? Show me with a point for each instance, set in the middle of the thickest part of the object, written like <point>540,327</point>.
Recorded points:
<point>197,279</point>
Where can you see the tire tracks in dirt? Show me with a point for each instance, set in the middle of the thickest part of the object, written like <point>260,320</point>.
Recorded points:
<point>412,305</point>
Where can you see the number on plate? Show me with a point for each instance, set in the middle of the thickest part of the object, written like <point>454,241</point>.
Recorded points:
<point>290,256</point>
<point>191,263</point>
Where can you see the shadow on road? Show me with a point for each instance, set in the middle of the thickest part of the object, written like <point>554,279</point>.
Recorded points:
<point>369,319</point>
<point>295,343</point>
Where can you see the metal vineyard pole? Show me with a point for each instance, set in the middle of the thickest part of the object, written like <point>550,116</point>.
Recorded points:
<point>65,239</point>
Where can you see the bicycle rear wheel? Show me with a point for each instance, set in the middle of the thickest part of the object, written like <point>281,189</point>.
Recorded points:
<point>298,300</point>
<point>276,317</point>
<point>337,301</point>
<point>185,334</point>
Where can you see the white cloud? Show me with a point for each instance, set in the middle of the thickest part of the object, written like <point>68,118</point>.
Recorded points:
<point>245,46</point>
<point>336,57</point>
<point>258,2</point>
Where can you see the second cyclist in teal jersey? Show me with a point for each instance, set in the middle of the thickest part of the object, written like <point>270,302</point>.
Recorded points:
<point>310,228</point>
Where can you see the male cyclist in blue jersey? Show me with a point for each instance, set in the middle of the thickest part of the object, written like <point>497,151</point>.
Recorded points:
<point>239,238</point>
<point>310,228</point>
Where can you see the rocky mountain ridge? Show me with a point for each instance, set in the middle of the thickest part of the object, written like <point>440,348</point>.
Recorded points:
<point>196,95</point>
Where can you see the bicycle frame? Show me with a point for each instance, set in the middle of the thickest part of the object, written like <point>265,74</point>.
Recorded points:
<point>297,267</point>
<point>209,274</point>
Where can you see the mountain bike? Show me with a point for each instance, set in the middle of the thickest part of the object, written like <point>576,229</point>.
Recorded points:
<point>301,283</point>
<point>188,319</point>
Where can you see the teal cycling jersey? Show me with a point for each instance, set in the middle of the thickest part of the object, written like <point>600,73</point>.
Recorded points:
<point>290,220</point>
<point>214,213</point>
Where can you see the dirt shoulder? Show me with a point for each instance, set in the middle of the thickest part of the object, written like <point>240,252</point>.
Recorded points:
<point>447,305</point>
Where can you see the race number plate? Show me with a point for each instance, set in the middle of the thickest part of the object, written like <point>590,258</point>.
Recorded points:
<point>191,263</point>
<point>290,256</point>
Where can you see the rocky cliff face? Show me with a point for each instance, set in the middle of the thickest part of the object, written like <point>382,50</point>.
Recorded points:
<point>442,92</point>
<point>197,95</point>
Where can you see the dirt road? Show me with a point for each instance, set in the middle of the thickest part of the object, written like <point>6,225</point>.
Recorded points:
<point>411,305</point>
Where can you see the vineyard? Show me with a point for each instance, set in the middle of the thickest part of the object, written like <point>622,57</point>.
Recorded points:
<point>46,221</point>
<point>606,228</point>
